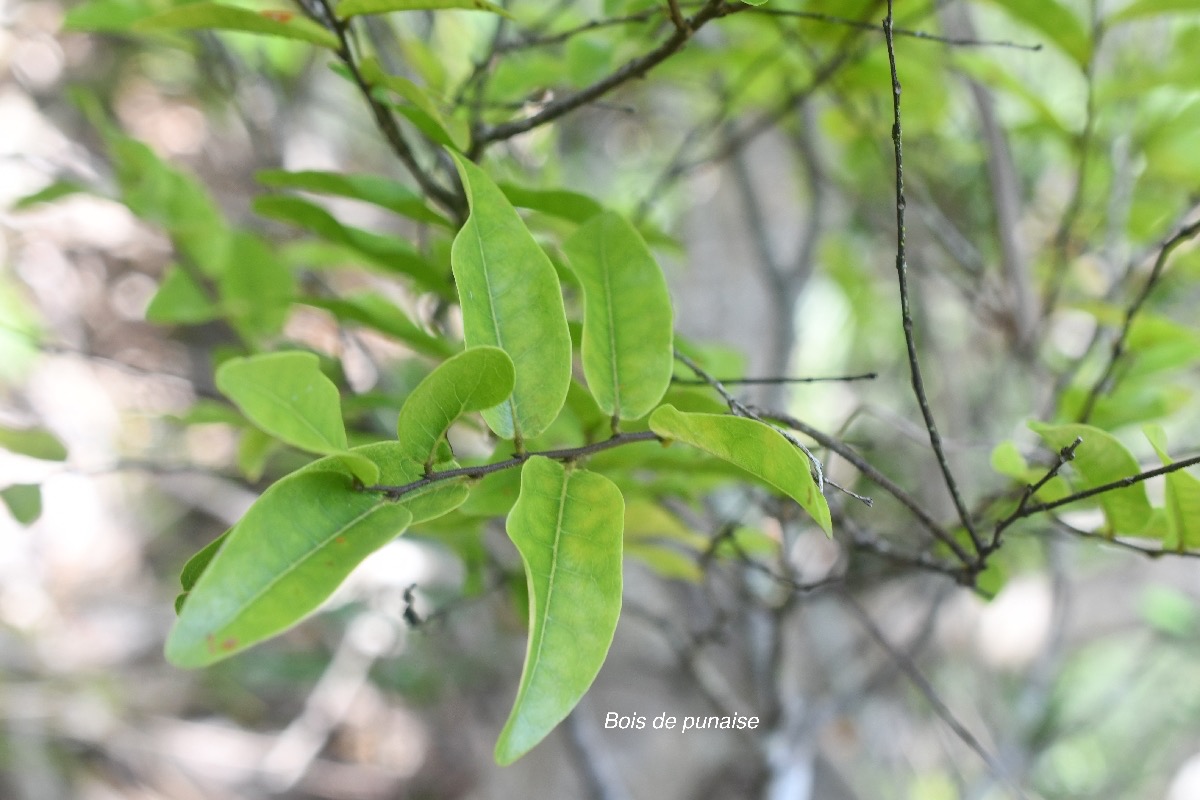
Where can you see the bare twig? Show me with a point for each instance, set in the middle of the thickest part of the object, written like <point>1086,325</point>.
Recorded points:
<point>911,671</point>
<point>959,41</point>
<point>565,454</point>
<point>634,68</point>
<point>865,376</point>
<point>918,383</point>
<point>1037,508</point>
<point>1118,345</point>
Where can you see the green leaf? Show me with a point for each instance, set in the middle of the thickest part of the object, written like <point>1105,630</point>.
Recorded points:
<point>419,109</point>
<point>350,8</point>
<point>571,206</point>
<point>24,501</point>
<point>567,526</point>
<point>1150,8</point>
<point>1056,22</point>
<point>291,550</point>
<point>32,442</point>
<point>752,446</point>
<point>373,189</point>
<point>216,16</point>
<point>474,380</point>
<point>376,311</point>
<point>1102,459</point>
<point>511,299</point>
<point>195,567</point>
<point>179,300</point>
<point>387,252</point>
<point>627,320</point>
<point>55,191</point>
<point>256,288</point>
<point>1182,498</point>
<point>287,395</point>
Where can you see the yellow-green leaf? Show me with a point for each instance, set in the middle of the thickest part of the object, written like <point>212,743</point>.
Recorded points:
<point>291,550</point>
<point>350,8</point>
<point>1099,460</point>
<point>627,320</point>
<point>567,526</point>
<point>217,16</point>
<point>755,447</point>
<point>1182,498</point>
<point>474,380</point>
<point>511,299</point>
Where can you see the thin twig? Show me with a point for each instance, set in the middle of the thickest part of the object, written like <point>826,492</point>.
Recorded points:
<point>918,383</point>
<point>887,484</point>
<point>1064,455</point>
<point>742,410</point>
<point>913,34</point>
<point>913,673</point>
<point>1123,483</point>
<point>865,376</point>
<point>634,68</point>
<point>565,454</point>
<point>1118,346</point>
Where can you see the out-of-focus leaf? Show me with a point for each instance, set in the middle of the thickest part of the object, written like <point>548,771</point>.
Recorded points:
<point>1140,9</point>
<point>55,191</point>
<point>290,551</point>
<point>752,446</point>
<point>24,501</point>
<point>1182,498</point>
<point>32,442</point>
<point>373,189</point>
<point>376,311</point>
<point>180,301</point>
<point>350,8</point>
<point>568,205</point>
<point>217,16</point>
<point>627,322</point>
<point>387,252</point>
<point>511,299</point>
<point>418,108</point>
<point>1056,22</point>
<point>567,526</point>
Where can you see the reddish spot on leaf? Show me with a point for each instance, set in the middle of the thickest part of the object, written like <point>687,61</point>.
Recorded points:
<point>229,643</point>
<point>341,540</point>
<point>278,16</point>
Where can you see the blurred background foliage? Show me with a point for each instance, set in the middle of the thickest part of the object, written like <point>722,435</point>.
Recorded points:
<point>1051,148</point>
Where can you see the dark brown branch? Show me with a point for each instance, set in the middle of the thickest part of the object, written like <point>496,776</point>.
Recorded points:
<point>565,454</point>
<point>635,68</point>
<point>450,200</point>
<point>918,383</point>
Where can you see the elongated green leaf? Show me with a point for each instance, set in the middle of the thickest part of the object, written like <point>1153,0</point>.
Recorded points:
<point>751,445</point>
<point>376,311</point>
<point>217,16</point>
<point>511,299</point>
<point>473,380</point>
<point>373,189</point>
<point>568,205</point>
<point>1099,460</point>
<point>290,551</point>
<point>32,442</point>
<point>24,501</point>
<point>1141,9</point>
<point>350,8</point>
<point>1056,22</point>
<point>388,252</point>
<point>287,395</point>
<point>1182,498</point>
<point>567,526</point>
<point>418,107</point>
<point>627,320</point>
<point>55,191</point>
